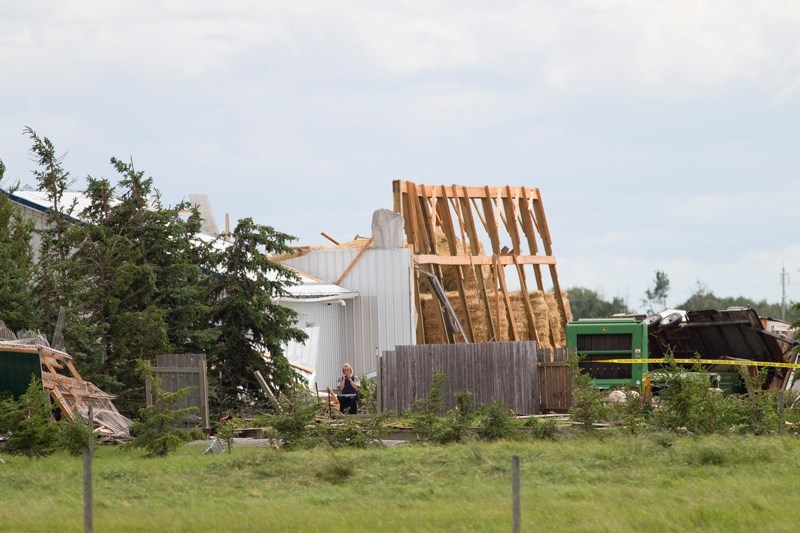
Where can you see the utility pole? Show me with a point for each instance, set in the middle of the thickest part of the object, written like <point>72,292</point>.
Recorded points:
<point>784,281</point>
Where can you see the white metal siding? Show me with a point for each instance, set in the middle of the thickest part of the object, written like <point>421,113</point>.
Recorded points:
<point>330,318</point>
<point>384,315</point>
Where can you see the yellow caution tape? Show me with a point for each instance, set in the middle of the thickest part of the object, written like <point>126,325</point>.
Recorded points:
<point>732,362</point>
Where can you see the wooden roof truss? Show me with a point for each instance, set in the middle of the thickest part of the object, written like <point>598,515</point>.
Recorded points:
<point>511,219</point>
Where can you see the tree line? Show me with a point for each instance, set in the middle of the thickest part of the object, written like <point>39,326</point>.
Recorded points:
<point>136,278</point>
<point>586,303</point>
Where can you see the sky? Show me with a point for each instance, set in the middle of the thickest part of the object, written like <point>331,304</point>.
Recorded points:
<point>662,135</point>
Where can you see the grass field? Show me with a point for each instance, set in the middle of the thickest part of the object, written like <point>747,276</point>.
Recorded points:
<point>614,483</point>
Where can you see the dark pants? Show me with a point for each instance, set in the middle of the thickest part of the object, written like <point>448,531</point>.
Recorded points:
<point>348,404</point>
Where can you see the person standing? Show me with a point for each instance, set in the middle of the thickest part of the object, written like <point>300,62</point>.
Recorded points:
<point>348,391</point>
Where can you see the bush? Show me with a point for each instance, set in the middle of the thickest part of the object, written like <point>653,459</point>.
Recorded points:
<point>73,436</point>
<point>157,430</point>
<point>28,422</point>
<point>496,422</point>
<point>542,428</point>
<point>297,411</point>
<point>424,414</point>
<point>588,406</point>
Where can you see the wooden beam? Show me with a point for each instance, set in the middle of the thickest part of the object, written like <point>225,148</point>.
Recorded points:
<point>355,260</point>
<point>466,191</point>
<point>502,259</point>
<point>443,207</point>
<point>474,244</point>
<point>334,241</point>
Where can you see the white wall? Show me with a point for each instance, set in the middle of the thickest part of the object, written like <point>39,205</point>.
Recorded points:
<point>383,316</point>
<point>330,318</point>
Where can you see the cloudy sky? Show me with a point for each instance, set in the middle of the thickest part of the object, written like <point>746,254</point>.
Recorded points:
<point>663,135</point>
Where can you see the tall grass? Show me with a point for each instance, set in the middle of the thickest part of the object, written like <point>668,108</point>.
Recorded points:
<point>656,482</point>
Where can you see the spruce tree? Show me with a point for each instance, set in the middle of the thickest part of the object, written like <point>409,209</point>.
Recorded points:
<point>52,285</point>
<point>28,421</point>
<point>248,319</point>
<point>16,266</point>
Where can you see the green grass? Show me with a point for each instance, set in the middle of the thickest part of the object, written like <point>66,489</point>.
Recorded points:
<point>615,483</point>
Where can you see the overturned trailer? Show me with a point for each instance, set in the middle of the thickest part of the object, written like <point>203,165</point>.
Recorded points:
<point>71,395</point>
<point>619,352</point>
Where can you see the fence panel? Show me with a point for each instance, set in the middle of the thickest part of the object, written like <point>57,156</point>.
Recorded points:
<point>555,380</point>
<point>177,371</point>
<point>505,371</point>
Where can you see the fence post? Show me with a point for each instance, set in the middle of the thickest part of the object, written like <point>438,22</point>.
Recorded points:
<point>515,493</point>
<point>88,454</point>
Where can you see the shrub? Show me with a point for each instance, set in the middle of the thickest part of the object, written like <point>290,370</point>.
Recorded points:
<point>157,430</point>
<point>455,424</point>
<point>688,401</point>
<point>28,421</point>
<point>542,428</point>
<point>587,406</point>
<point>73,436</point>
<point>297,410</point>
<point>496,422</point>
<point>424,414</point>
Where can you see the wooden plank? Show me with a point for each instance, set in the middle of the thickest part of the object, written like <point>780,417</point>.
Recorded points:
<point>474,243</point>
<point>465,191</point>
<point>429,232</point>
<point>499,275</point>
<point>527,217</point>
<point>452,241</point>
<point>548,248</point>
<point>355,261</point>
<point>502,259</point>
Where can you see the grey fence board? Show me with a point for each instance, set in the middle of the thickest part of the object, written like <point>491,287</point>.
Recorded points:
<point>505,371</point>
<point>177,371</point>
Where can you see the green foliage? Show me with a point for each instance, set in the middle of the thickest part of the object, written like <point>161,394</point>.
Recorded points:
<point>16,266</point>
<point>634,413</point>
<point>455,425</point>
<point>424,413</point>
<point>157,431</point>
<point>542,429</point>
<point>367,395</point>
<point>656,297</point>
<point>28,421</point>
<point>53,286</point>
<point>588,406</point>
<point>297,412</point>
<point>144,290</point>
<point>247,319</point>
<point>351,432</point>
<point>706,299</point>
<point>73,436</point>
<point>577,483</point>
<point>226,430</point>
<point>496,422</point>
<point>586,303</point>
<point>688,401</point>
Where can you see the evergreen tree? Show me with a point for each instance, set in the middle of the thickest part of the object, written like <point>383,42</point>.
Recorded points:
<point>52,285</point>
<point>247,318</point>
<point>28,421</point>
<point>16,266</point>
<point>143,292</point>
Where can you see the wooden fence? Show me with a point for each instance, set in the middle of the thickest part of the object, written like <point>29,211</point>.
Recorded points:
<point>177,371</point>
<point>527,380</point>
